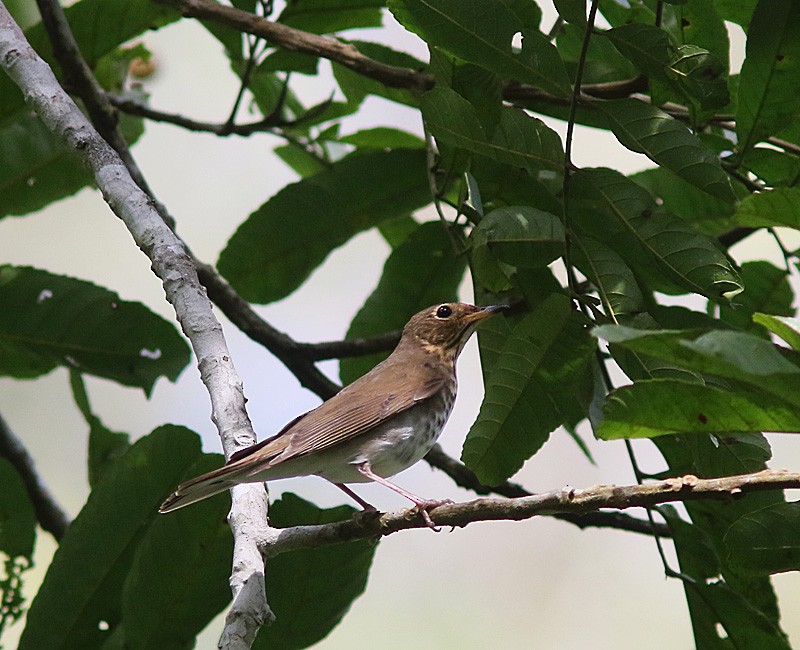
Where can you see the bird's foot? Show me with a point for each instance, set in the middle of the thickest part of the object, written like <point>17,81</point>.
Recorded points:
<point>423,506</point>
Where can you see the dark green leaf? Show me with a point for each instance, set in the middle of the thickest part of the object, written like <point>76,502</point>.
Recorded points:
<point>787,328</point>
<point>286,61</point>
<point>17,518</point>
<point>84,581</point>
<point>105,446</point>
<point>613,279</point>
<point>35,167</point>
<point>49,320</point>
<point>682,198</point>
<point>356,86</point>
<point>383,138</point>
<point>699,23</point>
<point>736,11</point>
<point>774,167</point>
<point>482,33</point>
<point>770,73</point>
<point>721,618</point>
<point>282,242</point>
<point>311,590</point>
<point>518,140</point>
<point>522,236</point>
<point>765,541</point>
<point>546,350</point>
<point>738,357</point>
<point>301,161</point>
<point>420,272</point>
<point>178,579</point>
<point>572,11</point>
<point>777,207</point>
<point>661,406</point>
<point>325,16</point>
<point>647,129</point>
<point>636,227</point>
<point>766,289</point>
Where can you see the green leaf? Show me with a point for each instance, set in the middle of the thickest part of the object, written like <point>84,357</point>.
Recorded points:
<point>774,167</point>
<point>282,242</point>
<point>49,320</point>
<point>765,541</point>
<point>178,579</point>
<point>325,16</point>
<point>721,618</point>
<point>302,162</point>
<point>699,23</point>
<point>770,73</point>
<point>383,137</point>
<point>766,289</point>
<point>776,207</point>
<point>36,168</point>
<point>740,358</point>
<point>787,328</point>
<point>571,11</point>
<point>613,279</point>
<point>636,227</point>
<point>522,236</point>
<point>17,517</point>
<point>311,590</point>
<point>736,11</point>
<point>661,406</point>
<point>105,446</point>
<point>646,129</point>
<point>83,584</point>
<point>691,72</point>
<point>545,351</point>
<point>286,61</point>
<point>519,140</point>
<point>356,86</point>
<point>422,271</point>
<point>482,33</point>
<point>682,198</point>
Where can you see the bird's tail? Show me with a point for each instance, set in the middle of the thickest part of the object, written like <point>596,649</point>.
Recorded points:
<point>199,488</point>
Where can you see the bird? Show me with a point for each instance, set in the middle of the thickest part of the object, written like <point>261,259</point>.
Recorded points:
<point>374,428</point>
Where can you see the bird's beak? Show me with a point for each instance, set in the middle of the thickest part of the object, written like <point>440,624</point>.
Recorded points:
<point>485,312</point>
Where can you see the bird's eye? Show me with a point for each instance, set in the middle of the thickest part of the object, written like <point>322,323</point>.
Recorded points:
<point>444,312</point>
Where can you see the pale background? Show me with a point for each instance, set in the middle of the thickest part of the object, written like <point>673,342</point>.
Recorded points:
<point>535,584</point>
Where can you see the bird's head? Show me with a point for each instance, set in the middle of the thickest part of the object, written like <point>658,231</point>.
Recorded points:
<point>445,328</point>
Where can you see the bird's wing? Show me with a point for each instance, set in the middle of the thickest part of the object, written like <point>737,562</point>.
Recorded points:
<point>375,397</point>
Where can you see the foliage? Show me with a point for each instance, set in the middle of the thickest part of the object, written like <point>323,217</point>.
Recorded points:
<point>703,379</point>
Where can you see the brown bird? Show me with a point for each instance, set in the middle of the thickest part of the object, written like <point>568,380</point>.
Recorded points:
<point>379,425</point>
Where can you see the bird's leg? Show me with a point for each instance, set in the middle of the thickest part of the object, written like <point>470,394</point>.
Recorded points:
<point>423,505</point>
<point>366,506</point>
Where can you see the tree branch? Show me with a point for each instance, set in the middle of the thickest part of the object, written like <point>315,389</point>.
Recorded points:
<point>174,267</point>
<point>564,501</point>
<point>295,40</point>
<point>465,477</point>
<point>351,347</point>
<point>48,513</point>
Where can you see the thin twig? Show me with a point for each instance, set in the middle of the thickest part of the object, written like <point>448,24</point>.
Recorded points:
<point>49,514</point>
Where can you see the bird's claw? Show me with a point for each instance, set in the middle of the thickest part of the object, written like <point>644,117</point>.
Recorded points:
<point>424,506</point>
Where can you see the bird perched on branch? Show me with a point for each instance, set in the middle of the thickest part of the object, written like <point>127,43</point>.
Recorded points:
<point>376,427</point>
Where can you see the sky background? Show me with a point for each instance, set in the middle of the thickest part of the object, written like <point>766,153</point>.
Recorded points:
<point>538,583</point>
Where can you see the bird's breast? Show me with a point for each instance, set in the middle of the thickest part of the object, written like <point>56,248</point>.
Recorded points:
<point>397,443</point>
